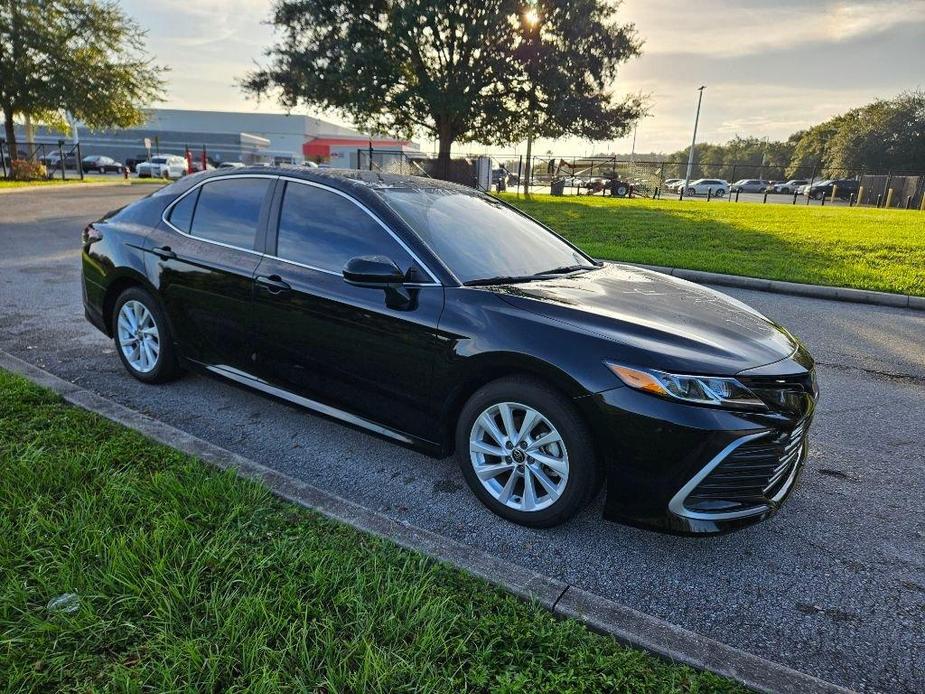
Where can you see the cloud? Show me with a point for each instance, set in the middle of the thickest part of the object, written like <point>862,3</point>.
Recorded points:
<point>743,28</point>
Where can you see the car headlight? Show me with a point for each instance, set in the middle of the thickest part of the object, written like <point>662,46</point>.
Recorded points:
<point>714,391</point>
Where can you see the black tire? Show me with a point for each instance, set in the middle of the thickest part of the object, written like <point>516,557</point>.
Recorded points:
<point>720,193</point>
<point>166,367</point>
<point>584,474</point>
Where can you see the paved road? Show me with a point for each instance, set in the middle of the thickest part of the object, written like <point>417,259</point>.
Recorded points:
<point>833,586</point>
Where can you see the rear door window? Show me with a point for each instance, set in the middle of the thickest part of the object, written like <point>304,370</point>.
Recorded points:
<point>228,211</point>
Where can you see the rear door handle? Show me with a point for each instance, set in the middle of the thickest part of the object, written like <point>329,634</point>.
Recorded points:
<point>272,283</point>
<point>164,253</point>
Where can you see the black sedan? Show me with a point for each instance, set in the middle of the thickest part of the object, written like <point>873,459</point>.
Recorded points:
<point>446,320</point>
<point>843,188</point>
<point>101,164</point>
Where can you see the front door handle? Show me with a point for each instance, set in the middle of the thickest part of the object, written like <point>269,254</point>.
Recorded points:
<point>164,253</point>
<point>273,284</point>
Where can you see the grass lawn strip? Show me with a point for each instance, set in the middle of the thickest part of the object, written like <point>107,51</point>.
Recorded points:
<point>191,578</point>
<point>864,248</point>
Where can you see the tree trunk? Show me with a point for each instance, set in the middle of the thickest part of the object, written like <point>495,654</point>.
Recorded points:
<point>445,136</point>
<point>10,132</point>
<point>528,168</point>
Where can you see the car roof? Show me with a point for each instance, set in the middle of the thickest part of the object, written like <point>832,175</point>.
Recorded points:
<point>356,181</point>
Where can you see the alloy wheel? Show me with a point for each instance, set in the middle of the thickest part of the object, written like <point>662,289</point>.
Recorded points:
<point>519,456</point>
<point>139,339</point>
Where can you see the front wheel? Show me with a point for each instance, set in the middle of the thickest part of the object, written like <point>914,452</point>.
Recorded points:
<point>720,193</point>
<point>526,453</point>
<point>142,337</point>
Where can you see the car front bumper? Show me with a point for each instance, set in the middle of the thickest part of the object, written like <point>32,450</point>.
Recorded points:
<point>692,470</point>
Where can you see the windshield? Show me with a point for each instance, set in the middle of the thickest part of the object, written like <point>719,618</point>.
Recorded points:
<point>159,160</point>
<point>479,238</point>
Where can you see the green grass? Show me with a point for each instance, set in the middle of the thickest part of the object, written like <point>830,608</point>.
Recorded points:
<point>191,579</point>
<point>865,248</point>
<point>132,180</point>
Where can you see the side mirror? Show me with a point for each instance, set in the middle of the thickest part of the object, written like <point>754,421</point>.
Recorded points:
<point>373,271</point>
<point>376,271</point>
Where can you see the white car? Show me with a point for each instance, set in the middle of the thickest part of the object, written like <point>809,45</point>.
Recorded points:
<point>163,166</point>
<point>674,184</point>
<point>232,165</point>
<point>717,187</point>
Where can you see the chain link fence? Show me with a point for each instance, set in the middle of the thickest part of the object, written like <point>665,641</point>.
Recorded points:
<point>622,177</point>
<point>60,160</point>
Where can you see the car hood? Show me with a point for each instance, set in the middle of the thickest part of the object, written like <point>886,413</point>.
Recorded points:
<point>663,322</point>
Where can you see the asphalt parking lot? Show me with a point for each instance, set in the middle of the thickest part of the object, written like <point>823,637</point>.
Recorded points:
<point>834,585</point>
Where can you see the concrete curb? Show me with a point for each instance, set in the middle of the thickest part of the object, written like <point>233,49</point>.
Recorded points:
<point>628,626</point>
<point>816,291</point>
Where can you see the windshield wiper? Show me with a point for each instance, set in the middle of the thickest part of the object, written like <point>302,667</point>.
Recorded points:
<point>501,279</point>
<point>565,269</point>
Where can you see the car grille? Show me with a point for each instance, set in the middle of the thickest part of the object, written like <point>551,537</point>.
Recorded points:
<point>755,474</point>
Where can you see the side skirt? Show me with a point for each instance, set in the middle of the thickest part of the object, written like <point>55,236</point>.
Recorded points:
<point>257,383</point>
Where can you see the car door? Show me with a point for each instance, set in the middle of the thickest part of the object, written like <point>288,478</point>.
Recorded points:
<point>202,260</point>
<point>355,348</point>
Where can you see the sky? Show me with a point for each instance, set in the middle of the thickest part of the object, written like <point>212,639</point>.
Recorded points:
<point>770,66</point>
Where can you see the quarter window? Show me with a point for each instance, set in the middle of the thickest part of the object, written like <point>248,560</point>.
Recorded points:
<point>228,211</point>
<point>324,230</point>
<point>181,216</point>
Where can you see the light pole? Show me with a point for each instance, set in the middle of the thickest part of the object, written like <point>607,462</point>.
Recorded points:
<point>531,21</point>
<point>633,152</point>
<point>690,158</point>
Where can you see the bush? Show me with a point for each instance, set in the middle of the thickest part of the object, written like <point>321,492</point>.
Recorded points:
<point>25,170</point>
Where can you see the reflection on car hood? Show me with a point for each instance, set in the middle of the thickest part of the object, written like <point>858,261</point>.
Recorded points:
<point>664,322</point>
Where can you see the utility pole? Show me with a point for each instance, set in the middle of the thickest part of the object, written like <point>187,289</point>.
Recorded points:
<point>690,159</point>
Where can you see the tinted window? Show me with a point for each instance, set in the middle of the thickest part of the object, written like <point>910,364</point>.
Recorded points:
<point>477,236</point>
<point>325,230</point>
<point>181,216</point>
<point>228,211</point>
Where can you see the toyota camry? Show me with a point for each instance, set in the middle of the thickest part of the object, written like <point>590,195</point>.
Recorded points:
<point>446,320</point>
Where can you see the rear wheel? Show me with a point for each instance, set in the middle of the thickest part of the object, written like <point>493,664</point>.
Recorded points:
<point>525,452</point>
<point>142,337</point>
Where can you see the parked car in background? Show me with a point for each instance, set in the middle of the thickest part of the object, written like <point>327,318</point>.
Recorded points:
<point>53,160</point>
<point>133,162</point>
<point>231,165</point>
<point>789,187</point>
<point>844,188</point>
<point>197,166</point>
<point>101,164</point>
<point>163,166</point>
<point>441,318</point>
<point>716,187</point>
<point>670,183</point>
<point>749,185</point>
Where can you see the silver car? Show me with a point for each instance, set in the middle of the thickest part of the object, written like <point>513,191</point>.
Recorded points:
<point>750,185</point>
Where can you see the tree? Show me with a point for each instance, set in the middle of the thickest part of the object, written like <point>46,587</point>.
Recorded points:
<point>569,52</point>
<point>885,135</point>
<point>461,70</point>
<point>72,56</point>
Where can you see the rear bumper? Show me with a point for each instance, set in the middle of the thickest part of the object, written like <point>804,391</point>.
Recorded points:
<point>667,462</point>
<point>93,297</point>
